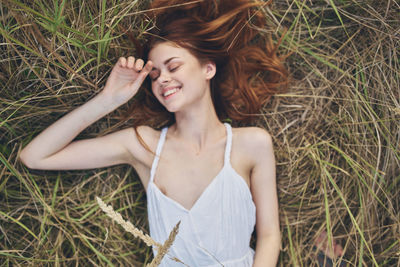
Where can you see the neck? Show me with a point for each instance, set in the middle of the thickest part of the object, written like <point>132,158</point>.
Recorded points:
<point>198,125</point>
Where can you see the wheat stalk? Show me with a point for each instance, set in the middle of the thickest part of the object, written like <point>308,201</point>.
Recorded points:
<point>164,248</point>
<point>129,227</point>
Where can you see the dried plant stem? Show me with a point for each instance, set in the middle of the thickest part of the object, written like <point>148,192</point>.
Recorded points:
<point>164,248</point>
<point>127,225</point>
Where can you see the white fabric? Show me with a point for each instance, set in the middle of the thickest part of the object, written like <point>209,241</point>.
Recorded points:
<point>216,231</point>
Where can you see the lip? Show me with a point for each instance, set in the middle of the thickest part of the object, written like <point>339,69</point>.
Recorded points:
<point>166,89</point>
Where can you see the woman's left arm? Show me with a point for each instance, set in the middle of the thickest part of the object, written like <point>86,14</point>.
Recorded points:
<point>263,188</point>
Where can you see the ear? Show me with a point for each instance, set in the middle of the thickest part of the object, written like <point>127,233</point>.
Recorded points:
<point>210,69</point>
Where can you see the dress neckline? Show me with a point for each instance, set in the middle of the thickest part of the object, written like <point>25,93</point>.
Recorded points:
<point>198,200</point>
<point>228,145</point>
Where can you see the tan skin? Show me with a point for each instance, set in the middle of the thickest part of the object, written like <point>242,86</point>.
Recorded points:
<point>195,142</point>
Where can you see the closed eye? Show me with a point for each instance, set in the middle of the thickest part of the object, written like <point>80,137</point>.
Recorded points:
<point>174,68</point>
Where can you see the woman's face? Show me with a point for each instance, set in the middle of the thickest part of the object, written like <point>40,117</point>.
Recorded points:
<point>178,78</point>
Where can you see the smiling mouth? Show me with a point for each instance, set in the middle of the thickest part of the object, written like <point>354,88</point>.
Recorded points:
<point>171,91</point>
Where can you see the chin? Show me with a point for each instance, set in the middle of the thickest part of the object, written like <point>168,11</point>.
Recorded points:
<point>174,106</point>
<point>172,109</point>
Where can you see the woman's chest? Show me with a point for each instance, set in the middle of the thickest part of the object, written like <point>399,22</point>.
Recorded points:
<point>184,176</point>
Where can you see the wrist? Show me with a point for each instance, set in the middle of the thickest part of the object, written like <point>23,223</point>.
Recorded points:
<point>94,109</point>
<point>105,103</point>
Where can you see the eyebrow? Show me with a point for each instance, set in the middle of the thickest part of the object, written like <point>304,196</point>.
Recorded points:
<point>165,62</point>
<point>168,60</point>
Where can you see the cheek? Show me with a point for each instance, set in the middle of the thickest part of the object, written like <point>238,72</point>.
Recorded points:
<point>190,77</point>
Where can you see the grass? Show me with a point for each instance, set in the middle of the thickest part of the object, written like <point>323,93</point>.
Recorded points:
<point>336,131</point>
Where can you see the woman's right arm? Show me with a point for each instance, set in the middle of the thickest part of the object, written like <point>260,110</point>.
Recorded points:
<point>53,149</point>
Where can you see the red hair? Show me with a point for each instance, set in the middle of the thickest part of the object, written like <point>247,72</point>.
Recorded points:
<point>249,70</point>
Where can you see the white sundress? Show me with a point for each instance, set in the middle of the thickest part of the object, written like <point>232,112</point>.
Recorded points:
<point>216,231</point>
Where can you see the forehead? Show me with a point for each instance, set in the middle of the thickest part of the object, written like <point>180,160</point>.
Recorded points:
<point>165,50</point>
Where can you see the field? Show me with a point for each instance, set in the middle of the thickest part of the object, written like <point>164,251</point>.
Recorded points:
<point>336,131</point>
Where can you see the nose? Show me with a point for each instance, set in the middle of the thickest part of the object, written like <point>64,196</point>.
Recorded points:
<point>164,78</point>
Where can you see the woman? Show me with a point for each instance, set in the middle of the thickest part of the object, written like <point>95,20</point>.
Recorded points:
<point>205,62</point>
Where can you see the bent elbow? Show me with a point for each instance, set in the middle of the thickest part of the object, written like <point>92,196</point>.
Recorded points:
<point>27,160</point>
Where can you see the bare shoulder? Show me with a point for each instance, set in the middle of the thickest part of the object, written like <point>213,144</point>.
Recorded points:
<point>143,149</point>
<point>252,139</point>
<point>251,147</point>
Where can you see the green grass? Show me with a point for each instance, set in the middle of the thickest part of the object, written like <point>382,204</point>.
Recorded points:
<point>336,131</point>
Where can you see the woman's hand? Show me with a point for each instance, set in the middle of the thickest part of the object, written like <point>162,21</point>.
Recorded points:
<point>125,79</point>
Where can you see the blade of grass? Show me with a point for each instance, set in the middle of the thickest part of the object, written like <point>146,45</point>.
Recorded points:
<point>98,253</point>
<point>291,246</point>
<point>360,232</point>
<point>20,224</point>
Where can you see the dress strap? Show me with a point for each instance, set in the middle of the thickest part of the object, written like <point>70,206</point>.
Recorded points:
<point>160,144</point>
<point>228,143</point>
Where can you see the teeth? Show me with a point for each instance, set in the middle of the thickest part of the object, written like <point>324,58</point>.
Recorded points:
<point>170,92</point>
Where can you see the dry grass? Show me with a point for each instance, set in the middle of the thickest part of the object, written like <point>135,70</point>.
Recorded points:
<point>336,131</point>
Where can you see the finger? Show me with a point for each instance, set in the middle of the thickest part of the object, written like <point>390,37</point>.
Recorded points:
<point>147,68</point>
<point>122,62</point>
<point>131,62</point>
<point>139,64</point>
<point>143,73</point>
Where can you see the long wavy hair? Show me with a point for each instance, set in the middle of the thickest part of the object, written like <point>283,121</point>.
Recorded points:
<point>225,32</point>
